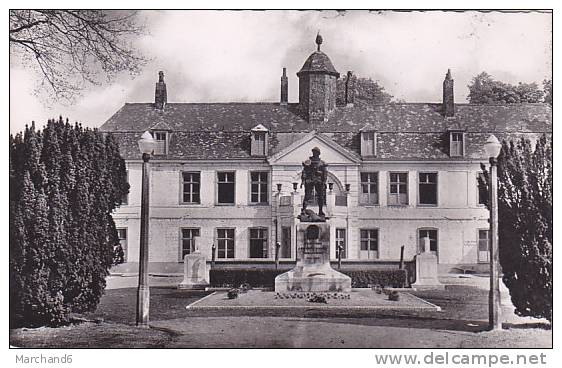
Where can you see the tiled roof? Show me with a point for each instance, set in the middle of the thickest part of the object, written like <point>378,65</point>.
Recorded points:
<point>405,130</point>
<point>207,117</point>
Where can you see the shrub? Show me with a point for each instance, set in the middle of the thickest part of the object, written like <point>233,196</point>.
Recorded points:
<point>394,296</point>
<point>318,299</point>
<point>266,277</point>
<point>232,294</point>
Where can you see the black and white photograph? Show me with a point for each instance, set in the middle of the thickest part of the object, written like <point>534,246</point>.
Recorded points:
<point>281,179</point>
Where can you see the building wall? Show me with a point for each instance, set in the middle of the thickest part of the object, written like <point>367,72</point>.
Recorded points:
<point>317,96</point>
<point>457,217</point>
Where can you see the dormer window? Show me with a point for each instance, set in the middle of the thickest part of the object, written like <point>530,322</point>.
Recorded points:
<point>368,143</point>
<point>161,138</point>
<point>259,141</point>
<point>456,144</point>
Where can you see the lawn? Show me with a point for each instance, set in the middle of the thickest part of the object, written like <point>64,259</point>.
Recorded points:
<point>461,323</point>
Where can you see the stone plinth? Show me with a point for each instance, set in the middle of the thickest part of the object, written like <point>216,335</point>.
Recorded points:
<point>313,271</point>
<point>194,272</point>
<point>426,272</point>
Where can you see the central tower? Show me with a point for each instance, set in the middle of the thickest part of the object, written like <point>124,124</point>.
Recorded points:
<point>317,86</point>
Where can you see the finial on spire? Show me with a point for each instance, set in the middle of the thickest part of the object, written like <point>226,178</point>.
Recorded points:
<point>161,76</point>
<point>318,40</point>
<point>448,76</point>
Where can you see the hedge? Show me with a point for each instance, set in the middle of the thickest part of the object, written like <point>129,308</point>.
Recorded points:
<point>266,277</point>
<point>386,278</point>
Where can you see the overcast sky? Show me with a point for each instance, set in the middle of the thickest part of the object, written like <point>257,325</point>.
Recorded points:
<point>224,56</point>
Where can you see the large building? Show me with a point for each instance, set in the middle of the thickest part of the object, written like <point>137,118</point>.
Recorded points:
<point>228,174</point>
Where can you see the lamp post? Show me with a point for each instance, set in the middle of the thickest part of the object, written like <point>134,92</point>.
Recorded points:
<point>146,147</point>
<point>492,148</point>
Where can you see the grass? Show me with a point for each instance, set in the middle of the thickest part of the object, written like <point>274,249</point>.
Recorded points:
<point>115,327</point>
<point>461,323</point>
<point>119,305</point>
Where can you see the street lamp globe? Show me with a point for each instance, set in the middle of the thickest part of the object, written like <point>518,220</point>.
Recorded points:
<point>492,147</point>
<point>146,143</point>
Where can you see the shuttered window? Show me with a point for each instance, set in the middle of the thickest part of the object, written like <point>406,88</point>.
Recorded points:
<point>368,143</point>
<point>398,189</point>
<point>161,146</point>
<point>456,144</point>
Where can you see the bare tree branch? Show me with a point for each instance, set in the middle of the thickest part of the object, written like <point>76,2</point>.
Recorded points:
<point>70,49</point>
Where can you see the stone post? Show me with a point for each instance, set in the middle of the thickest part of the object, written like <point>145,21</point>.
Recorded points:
<point>330,203</point>
<point>194,271</point>
<point>494,294</point>
<point>277,246</point>
<point>143,291</point>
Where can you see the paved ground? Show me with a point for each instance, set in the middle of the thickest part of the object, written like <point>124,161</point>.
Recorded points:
<point>289,332</point>
<point>461,323</point>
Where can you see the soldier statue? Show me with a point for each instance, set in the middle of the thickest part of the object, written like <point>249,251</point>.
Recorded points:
<point>314,174</point>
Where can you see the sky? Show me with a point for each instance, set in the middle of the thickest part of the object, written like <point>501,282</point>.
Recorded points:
<point>238,56</point>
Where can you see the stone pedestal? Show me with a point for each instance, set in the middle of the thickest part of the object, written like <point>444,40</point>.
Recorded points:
<point>426,272</point>
<point>313,272</point>
<point>194,272</point>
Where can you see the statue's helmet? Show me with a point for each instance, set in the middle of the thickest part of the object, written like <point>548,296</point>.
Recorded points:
<point>316,149</point>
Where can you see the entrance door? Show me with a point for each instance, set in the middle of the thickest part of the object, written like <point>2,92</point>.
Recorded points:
<point>369,248</point>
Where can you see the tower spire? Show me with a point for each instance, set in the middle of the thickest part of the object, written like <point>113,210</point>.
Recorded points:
<point>319,40</point>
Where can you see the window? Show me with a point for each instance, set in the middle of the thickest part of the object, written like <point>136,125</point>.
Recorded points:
<point>259,192</point>
<point>122,234</point>
<point>398,193</point>
<point>225,183</point>
<point>369,243</point>
<point>483,246</point>
<point>432,235</point>
<point>125,198</point>
<point>368,143</point>
<point>258,242</point>
<point>258,144</point>
<point>188,241</point>
<point>482,192</point>
<point>456,144</point>
<point>191,182</point>
<point>285,251</point>
<point>369,188</point>
<point>161,147</point>
<point>341,244</point>
<point>259,139</point>
<point>225,243</point>
<point>428,188</point>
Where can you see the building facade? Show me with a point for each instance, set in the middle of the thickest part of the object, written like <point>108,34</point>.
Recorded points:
<point>228,174</point>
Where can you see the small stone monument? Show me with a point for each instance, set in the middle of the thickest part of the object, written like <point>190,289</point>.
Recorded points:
<point>194,271</point>
<point>313,272</point>
<point>426,269</point>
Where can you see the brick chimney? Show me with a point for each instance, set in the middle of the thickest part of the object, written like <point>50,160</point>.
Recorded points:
<point>284,88</point>
<point>448,95</point>
<point>350,89</point>
<point>160,93</point>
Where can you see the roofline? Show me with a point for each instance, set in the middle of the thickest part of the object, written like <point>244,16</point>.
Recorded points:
<point>296,103</point>
<point>362,162</point>
<point>341,131</point>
